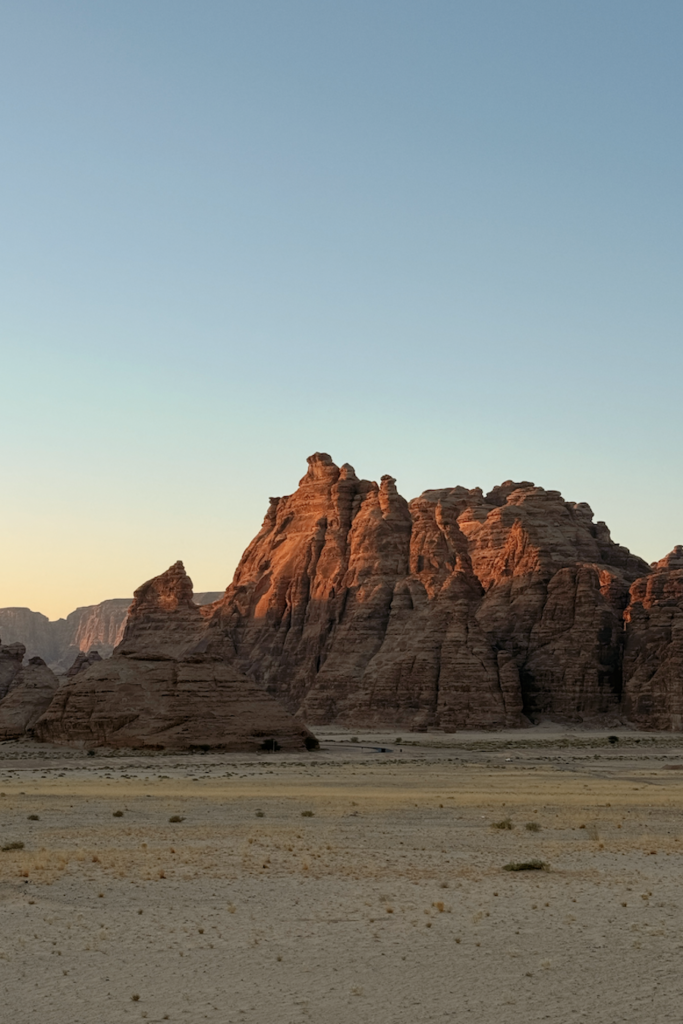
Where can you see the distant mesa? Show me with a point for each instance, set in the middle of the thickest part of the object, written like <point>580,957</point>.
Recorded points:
<point>94,627</point>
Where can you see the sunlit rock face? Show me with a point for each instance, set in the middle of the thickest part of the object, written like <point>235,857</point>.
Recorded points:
<point>653,661</point>
<point>455,610</point>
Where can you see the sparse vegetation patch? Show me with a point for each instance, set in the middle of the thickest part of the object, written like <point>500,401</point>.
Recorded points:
<point>526,865</point>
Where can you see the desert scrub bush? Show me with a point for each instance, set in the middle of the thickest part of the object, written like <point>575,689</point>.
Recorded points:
<point>117,814</point>
<point>17,845</point>
<point>307,814</point>
<point>260,814</point>
<point>504,824</point>
<point>532,826</point>
<point>526,865</point>
<point>176,818</point>
<point>33,817</point>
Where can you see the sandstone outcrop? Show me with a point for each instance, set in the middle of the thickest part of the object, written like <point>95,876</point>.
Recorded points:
<point>158,691</point>
<point>653,660</point>
<point>29,695</point>
<point>83,661</point>
<point>11,658</point>
<point>455,610</point>
<point>170,704</point>
<point>94,627</point>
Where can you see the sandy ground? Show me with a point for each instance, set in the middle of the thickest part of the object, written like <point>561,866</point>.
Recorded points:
<point>351,885</point>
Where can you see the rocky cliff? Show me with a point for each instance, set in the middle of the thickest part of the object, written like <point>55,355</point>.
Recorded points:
<point>96,627</point>
<point>158,691</point>
<point>454,610</point>
<point>653,659</point>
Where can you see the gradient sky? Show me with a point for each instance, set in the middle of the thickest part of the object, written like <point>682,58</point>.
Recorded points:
<point>441,240</point>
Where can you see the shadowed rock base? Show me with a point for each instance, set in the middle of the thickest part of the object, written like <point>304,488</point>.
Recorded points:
<point>199,702</point>
<point>29,694</point>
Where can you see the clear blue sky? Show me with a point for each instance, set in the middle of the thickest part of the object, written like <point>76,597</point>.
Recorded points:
<point>437,239</point>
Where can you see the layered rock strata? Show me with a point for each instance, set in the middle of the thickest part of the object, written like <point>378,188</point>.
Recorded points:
<point>96,627</point>
<point>11,658</point>
<point>28,696</point>
<point>653,659</point>
<point>83,661</point>
<point>455,610</point>
<point>157,692</point>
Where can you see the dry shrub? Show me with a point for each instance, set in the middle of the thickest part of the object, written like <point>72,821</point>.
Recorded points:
<point>526,865</point>
<point>506,823</point>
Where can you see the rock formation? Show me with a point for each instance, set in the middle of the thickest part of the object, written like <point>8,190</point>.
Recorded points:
<point>455,610</point>
<point>96,627</point>
<point>653,661</point>
<point>156,691</point>
<point>11,658</point>
<point>83,661</point>
<point>29,694</point>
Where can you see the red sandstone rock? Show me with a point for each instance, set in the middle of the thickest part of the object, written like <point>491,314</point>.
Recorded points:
<point>457,610</point>
<point>653,660</point>
<point>163,620</point>
<point>156,691</point>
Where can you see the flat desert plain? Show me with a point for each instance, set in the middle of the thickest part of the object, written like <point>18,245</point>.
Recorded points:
<point>352,884</point>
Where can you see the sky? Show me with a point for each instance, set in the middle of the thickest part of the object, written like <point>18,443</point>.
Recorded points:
<point>440,239</point>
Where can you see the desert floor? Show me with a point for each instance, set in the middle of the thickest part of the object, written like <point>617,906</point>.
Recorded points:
<point>350,885</point>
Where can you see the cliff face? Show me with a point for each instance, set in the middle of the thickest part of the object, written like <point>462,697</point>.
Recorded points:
<point>97,627</point>
<point>653,661</point>
<point>156,691</point>
<point>456,610</point>
<point>94,627</point>
<point>39,636</point>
